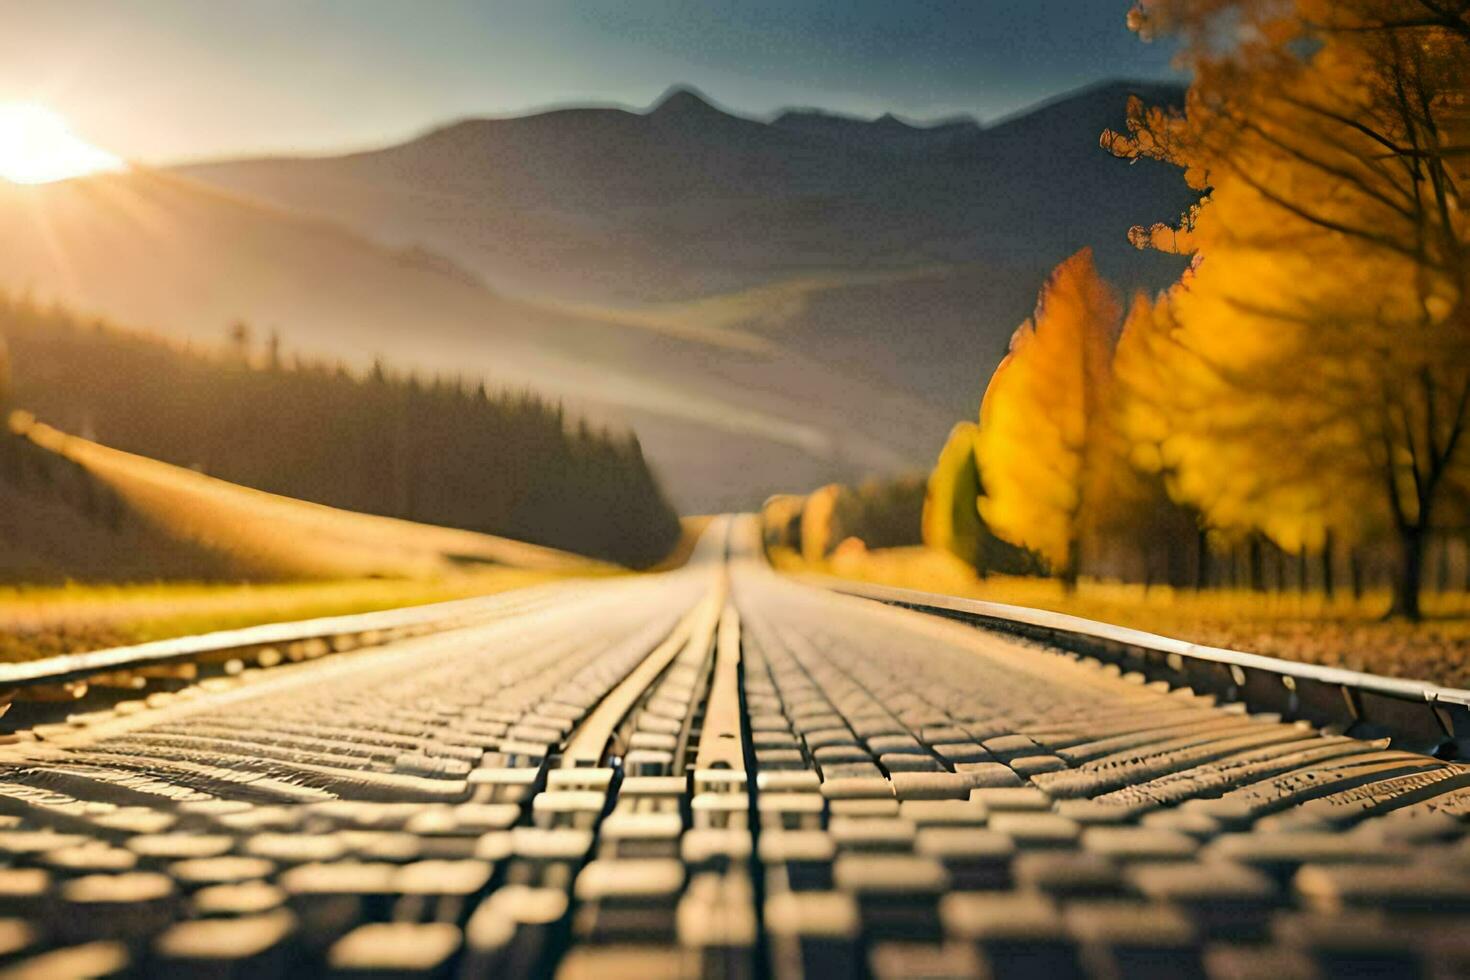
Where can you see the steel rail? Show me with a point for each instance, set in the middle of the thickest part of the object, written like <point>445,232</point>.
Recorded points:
<point>1416,715</point>
<point>357,628</point>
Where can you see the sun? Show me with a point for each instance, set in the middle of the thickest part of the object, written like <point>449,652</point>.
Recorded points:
<point>37,147</point>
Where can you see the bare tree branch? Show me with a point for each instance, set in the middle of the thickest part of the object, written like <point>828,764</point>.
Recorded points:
<point>1322,221</point>
<point>1302,156</point>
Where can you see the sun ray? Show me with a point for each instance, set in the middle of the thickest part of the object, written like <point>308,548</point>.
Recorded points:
<point>66,281</point>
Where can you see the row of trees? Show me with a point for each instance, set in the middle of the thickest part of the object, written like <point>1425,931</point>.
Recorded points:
<point>428,449</point>
<point>1306,386</point>
<point>897,513</point>
<point>880,513</point>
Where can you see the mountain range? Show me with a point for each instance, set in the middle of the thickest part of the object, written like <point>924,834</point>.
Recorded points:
<point>769,303</point>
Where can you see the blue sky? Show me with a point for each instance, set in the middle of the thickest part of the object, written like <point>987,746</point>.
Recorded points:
<point>160,80</point>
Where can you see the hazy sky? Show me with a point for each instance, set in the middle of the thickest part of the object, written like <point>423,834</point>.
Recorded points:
<point>158,80</point>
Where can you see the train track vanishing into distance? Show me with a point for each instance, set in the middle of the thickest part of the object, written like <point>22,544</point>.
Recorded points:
<point>720,771</point>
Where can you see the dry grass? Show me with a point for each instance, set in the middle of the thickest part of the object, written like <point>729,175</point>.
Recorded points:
<point>192,554</point>
<point>1307,628</point>
<point>40,622</point>
<point>258,536</point>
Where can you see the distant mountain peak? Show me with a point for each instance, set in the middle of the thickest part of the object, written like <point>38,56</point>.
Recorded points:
<point>684,100</point>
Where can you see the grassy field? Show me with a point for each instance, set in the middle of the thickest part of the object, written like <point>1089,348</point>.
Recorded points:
<point>1339,633</point>
<point>102,548</point>
<point>244,533</point>
<point>40,621</point>
<point>44,621</point>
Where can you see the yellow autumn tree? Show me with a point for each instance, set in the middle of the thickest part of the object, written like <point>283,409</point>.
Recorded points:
<point>828,517</point>
<point>1042,440</point>
<point>1137,509</point>
<point>1143,367</point>
<point>951,520</point>
<point>781,521</point>
<point>1323,334</point>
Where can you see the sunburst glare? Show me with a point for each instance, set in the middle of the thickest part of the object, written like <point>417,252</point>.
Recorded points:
<point>37,146</point>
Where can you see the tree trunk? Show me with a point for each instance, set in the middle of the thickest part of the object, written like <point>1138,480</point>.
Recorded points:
<point>1074,558</point>
<point>1409,574</point>
<point>1255,570</point>
<point>1329,583</point>
<point>1465,564</point>
<point>1175,563</point>
<point>1355,572</point>
<point>1201,560</point>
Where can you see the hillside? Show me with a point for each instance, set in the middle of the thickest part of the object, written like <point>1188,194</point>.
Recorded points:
<point>382,442</point>
<point>77,510</point>
<point>58,523</point>
<point>101,548</point>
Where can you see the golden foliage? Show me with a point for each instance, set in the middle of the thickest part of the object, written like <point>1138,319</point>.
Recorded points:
<point>1042,435</point>
<point>1312,371</point>
<point>826,519</point>
<point>781,520</point>
<point>951,520</point>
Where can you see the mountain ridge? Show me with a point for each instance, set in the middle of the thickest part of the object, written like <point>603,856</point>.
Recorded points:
<point>685,200</point>
<point>681,99</point>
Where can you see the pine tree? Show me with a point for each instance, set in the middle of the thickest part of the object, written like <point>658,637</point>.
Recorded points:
<point>373,440</point>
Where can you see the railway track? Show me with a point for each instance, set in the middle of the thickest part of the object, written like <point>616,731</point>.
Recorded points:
<point>718,772</point>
